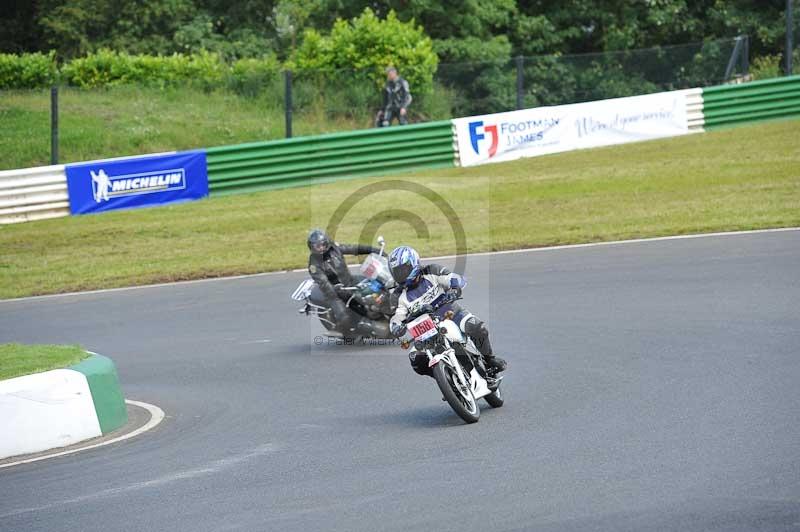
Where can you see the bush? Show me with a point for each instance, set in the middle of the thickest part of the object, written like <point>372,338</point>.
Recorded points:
<point>27,71</point>
<point>108,68</point>
<point>766,67</point>
<point>251,76</point>
<point>368,44</point>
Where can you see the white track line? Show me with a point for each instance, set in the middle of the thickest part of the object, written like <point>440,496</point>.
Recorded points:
<point>479,254</point>
<point>618,242</point>
<point>156,417</point>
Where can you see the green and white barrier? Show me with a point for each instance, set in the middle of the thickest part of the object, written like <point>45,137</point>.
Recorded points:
<point>60,407</point>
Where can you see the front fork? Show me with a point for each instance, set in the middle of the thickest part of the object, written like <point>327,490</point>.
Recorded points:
<point>483,384</point>
<point>449,357</point>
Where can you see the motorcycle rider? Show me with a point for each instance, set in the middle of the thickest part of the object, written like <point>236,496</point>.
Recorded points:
<point>396,99</point>
<point>327,267</point>
<point>427,285</point>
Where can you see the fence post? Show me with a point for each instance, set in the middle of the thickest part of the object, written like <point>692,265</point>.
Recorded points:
<point>287,101</point>
<point>54,125</point>
<point>789,36</point>
<point>737,51</point>
<point>520,80</point>
<point>746,56</point>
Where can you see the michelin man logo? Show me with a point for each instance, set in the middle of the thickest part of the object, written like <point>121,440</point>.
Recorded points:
<point>105,187</point>
<point>101,185</point>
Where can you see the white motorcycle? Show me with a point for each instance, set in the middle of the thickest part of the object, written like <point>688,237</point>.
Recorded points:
<point>456,363</point>
<point>370,298</point>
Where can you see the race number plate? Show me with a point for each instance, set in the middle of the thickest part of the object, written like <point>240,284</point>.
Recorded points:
<point>422,328</point>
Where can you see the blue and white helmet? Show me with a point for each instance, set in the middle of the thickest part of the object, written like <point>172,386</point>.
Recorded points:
<point>404,265</point>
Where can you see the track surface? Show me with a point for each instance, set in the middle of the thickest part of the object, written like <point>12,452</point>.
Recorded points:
<point>653,386</point>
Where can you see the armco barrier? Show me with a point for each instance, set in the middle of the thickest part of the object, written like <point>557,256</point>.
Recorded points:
<point>308,160</point>
<point>767,99</point>
<point>33,194</point>
<point>694,110</point>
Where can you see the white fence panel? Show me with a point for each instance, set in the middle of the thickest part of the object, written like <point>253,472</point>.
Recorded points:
<point>694,110</point>
<point>33,194</point>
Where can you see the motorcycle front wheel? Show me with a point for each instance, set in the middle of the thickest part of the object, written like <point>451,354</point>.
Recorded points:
<point>495,399</point>
<point>459,398</point>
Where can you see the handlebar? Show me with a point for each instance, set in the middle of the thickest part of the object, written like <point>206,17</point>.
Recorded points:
<point>450,297</point>
<point>345,288</point>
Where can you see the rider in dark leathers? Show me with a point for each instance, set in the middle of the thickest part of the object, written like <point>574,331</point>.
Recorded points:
<point>396,98</point>
<point>328,268</point>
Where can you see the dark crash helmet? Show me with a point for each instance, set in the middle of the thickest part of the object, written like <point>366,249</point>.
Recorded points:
<point>319,242</point>
<point>404,265</point>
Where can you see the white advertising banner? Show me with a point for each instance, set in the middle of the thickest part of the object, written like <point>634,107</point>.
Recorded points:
<point>543,130</point>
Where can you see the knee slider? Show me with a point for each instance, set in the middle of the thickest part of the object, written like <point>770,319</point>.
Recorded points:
<point>474,326</point>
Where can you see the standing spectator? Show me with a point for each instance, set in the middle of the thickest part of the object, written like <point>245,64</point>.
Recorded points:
<point>396,98</point>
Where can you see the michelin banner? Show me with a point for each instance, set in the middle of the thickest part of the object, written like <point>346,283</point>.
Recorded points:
<point>543,130</point>
<point>100,186</point>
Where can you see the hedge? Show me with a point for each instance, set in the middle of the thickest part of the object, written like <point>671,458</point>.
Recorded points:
<point>27,71</point>
<point>107,68</point>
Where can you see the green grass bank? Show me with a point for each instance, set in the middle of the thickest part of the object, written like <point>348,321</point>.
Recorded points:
<point>131,120</point>
<point>735,179</point>
<point>18,359</point>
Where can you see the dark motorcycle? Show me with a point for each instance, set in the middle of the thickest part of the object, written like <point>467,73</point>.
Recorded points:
<point>370,298</point>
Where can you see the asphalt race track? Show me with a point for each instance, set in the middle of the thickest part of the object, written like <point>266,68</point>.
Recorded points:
<point>652,386</point>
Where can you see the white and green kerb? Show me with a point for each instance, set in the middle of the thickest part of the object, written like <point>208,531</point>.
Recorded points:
<point>60,407</point>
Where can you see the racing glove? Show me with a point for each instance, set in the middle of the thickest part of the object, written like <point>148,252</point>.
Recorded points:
<point>397,329</point>
<point>457,281</point>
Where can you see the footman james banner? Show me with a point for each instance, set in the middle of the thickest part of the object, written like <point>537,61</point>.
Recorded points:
<point>145,181</point>
<point>544,130</point>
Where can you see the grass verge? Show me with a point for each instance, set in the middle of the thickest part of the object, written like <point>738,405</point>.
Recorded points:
<point>132,120</point>
<point>18,359</point>
<point>736,179</point>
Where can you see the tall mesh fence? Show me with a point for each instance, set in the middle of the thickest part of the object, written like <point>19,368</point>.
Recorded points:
<point>796,37</point>
<point>462,89</point>
<point>129,119</point>
<point>554,80</point>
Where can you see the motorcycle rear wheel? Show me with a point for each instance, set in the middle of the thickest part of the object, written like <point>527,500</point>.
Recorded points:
<point>461,401</point>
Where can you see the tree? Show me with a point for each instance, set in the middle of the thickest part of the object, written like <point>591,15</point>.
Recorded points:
<point>369,44</point>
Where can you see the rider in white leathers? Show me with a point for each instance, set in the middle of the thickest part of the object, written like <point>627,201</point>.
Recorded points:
<point>428,285</point>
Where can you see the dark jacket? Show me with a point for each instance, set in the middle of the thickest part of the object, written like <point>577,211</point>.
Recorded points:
<point>330,268</point>
<point>396,95</point>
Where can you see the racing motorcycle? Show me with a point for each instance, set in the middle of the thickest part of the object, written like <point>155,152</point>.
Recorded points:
<point>456,363</point>
<point>370,297</point>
